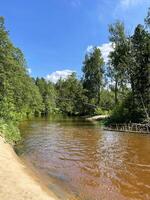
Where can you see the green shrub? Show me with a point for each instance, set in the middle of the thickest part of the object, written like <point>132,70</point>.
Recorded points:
<point>100,111</point>
<point>127,111</point>
<point>10,132</point>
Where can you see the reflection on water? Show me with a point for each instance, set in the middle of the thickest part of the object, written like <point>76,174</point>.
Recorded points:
<point>94,164</point>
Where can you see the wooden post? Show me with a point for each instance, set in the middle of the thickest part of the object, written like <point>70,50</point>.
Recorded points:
<point>147,129</point>
<point>136,127</point>
<point>116,127</point>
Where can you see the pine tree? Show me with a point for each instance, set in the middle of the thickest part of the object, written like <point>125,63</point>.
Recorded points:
<point>93,71</point>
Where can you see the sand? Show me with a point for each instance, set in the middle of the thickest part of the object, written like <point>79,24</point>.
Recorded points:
<point>15,181</point>
<point>97,117</point>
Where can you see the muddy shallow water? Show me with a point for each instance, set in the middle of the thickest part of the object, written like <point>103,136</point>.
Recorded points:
<point>93,164</point>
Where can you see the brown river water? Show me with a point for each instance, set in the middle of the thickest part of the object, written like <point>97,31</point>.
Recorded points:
<point>91,163</point>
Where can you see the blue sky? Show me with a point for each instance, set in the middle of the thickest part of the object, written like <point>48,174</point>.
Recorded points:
<point>55,34</point>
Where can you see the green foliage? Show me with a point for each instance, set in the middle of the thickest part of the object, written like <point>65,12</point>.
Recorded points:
<point>10,132</point>
<point>93,69</point>
<point>126,111</point>
<point>19,96</point>
<point>141,69</point>
<point>48,93</point>
<point>107,100</point>
<point>147,19</point>
<point>71,97</point>
<point>128,88</point>
<point>18,93</point>
<point>100,111</point>
<point>130,70</point>
<point>117,63</point>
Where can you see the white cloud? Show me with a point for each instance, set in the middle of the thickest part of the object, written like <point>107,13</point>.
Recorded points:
<point>55,76</point>
<point>127,3</point>
<point>29,70</point>
<point>89,48</point>
<point>105,48</point>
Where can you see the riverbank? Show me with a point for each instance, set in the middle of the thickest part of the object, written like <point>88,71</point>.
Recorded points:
<point>15,180</point>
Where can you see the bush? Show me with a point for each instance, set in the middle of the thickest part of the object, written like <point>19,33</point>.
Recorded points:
<point>100,111</point>
<point>10,132</point>
<point>127,111</point>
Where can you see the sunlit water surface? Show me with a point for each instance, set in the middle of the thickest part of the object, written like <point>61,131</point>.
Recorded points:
<point>94,164</point>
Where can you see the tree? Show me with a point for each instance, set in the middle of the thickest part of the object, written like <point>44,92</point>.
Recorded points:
<point>71,97</point>
<point>48,93</point>
<point>93,71</point>
<point>107,100</point>
<point>117,63</point>
<point>141,70</point>
<point>18,94</point>
<point>147,19</point>
<point>130,66</point>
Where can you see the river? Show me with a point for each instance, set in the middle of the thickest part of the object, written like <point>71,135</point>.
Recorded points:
<point>82,158</point>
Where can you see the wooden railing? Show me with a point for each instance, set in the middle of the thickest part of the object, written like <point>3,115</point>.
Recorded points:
<point>129,127</point>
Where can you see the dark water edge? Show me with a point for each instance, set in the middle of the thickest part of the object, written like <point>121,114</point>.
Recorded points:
<point>77,158</point>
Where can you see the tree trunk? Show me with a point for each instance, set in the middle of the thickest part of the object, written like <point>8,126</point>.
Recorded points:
<point>116,91</point>
<point>99,98</point>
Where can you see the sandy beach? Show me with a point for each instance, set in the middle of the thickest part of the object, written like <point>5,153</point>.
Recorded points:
<point>15,181</point>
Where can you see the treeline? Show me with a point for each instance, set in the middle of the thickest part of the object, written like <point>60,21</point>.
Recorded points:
<point>120,88</point>
<point>129,69</point>
<point>19,96</point>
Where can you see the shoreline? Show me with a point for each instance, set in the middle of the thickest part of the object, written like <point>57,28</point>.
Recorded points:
<point>50,183</point>
<point>17,181</point>
<point>97,117</point>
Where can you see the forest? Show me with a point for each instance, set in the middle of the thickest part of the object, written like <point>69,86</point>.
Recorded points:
<point>119,88</point>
